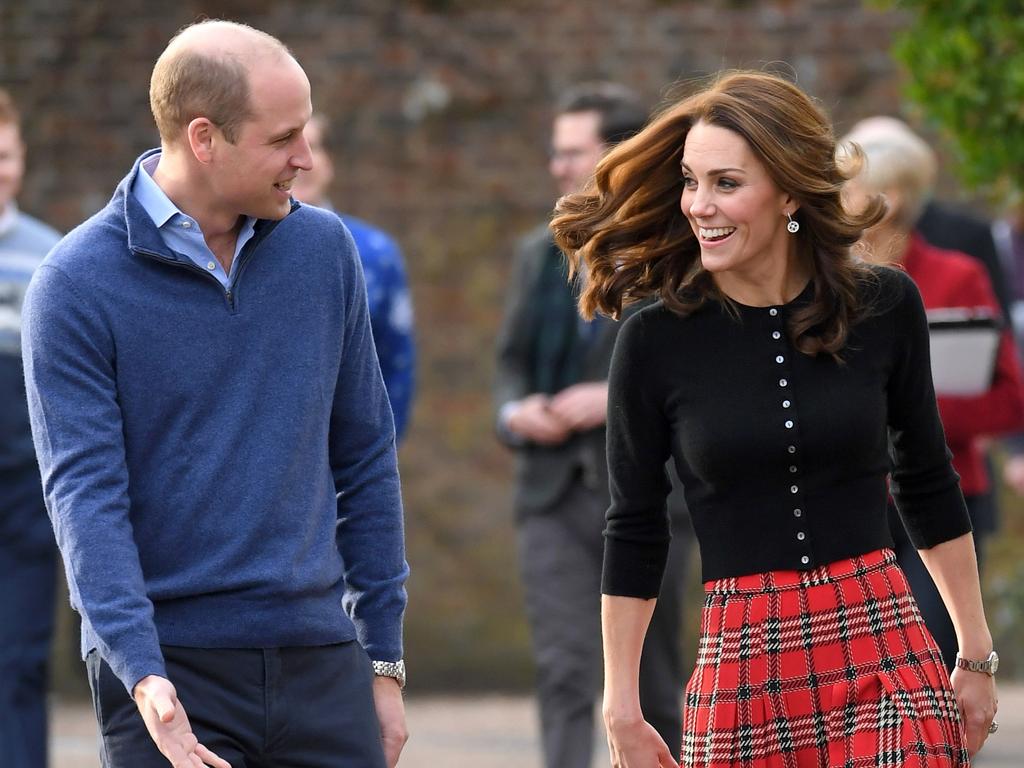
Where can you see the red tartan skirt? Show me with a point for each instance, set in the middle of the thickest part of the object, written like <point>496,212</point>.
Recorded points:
<point>829,668</point>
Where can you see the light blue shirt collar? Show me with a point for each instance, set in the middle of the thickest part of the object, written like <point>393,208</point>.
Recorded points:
<point>179,231</point>
<point>153,199</point>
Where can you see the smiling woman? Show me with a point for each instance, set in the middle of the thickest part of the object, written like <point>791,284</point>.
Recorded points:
<point>773,375</point>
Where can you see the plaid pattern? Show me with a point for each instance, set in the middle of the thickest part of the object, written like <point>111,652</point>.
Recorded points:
<point>828,668</point>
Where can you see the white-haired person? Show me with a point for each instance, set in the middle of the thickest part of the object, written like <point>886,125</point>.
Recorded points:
<point>901,166</point>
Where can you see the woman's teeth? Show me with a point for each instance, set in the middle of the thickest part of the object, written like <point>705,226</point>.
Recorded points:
<point>716,233</point>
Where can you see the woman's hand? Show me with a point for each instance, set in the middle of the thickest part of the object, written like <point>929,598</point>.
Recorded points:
<point>976,696</point>
<point>954,569</point>
<point>633,743</point>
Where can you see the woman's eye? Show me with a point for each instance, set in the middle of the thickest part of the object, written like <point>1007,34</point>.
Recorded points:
<point>689,182</point>
<point>727,184</point>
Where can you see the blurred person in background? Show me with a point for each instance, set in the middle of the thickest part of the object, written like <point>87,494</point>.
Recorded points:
<point>1008,233</point>
<point>552,400</point>
<point>216,441</point>
<point>788,381</point>
<point>902,167</point>
<point>947,226</point>
<point>28,554</point>
<point>387,289</point>
<point>1008,236</point>
<point>953,229</point>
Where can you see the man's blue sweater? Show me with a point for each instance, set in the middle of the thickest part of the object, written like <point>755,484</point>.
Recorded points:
<point>219,466</point>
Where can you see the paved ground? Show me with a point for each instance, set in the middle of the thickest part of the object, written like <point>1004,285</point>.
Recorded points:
<point>493,732</point>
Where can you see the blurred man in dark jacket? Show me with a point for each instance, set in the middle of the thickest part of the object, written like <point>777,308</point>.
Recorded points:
<point>552,397</point>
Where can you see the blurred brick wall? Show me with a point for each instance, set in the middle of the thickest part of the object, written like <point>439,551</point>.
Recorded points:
<point>440,119</point>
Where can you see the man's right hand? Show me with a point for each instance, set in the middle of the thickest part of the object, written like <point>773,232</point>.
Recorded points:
<point>168,725</point>
<point>534,420</point>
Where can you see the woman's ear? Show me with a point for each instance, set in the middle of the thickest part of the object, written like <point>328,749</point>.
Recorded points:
<point>789,205</point>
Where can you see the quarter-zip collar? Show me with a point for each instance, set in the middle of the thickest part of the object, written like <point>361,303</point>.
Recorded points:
<point>144,236</point>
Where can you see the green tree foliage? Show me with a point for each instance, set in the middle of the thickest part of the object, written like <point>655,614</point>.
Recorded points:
<point>966,64</point>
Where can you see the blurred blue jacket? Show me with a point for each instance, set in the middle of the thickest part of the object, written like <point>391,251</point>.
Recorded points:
<point>391,315</point>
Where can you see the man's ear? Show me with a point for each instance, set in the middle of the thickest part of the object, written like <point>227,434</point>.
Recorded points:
<point>202,134</point>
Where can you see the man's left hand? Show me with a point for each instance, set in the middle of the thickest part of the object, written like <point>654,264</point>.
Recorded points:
<point>387,699</point>
<point>582,406</point>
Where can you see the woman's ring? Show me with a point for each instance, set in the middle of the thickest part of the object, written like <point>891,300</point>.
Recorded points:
<point>993,727</point>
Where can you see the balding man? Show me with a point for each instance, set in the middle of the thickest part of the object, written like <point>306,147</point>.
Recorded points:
<point>216,444</point>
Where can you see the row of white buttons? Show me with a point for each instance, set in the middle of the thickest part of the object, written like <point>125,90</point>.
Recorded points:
<point>794,489</point>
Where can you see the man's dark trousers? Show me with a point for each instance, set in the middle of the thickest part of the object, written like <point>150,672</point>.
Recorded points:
<point>256,708</point>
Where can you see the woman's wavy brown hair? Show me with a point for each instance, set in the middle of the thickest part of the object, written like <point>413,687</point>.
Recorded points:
<point>628,230</point>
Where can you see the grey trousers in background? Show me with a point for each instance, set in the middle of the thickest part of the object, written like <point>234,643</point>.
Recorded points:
<point>560,556</point>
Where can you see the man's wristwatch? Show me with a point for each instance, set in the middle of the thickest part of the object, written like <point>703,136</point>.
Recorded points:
<point>988,666</point>
<point>395,669</point>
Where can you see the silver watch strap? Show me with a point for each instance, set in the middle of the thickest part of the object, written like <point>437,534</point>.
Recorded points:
<point>395,669</point>
<point>987,666</point>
